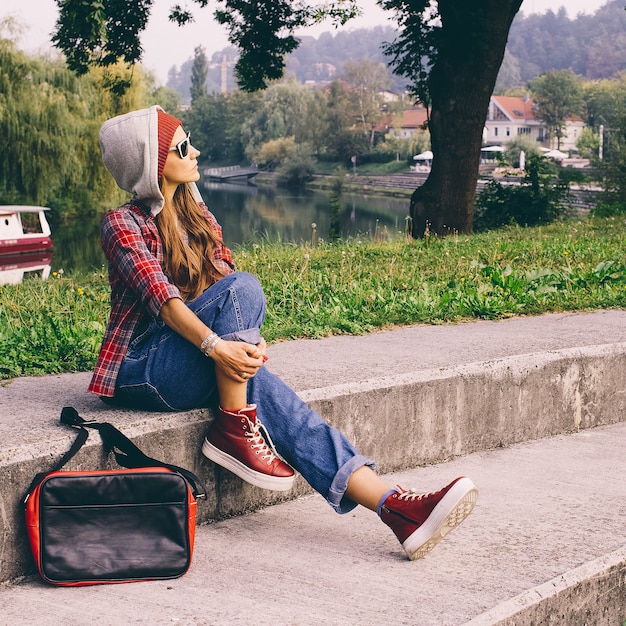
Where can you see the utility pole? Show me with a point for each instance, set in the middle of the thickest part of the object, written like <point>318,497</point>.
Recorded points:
<point>601,145</point>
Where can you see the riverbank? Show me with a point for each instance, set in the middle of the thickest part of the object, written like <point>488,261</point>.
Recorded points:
<point>394,185</point>
<point>402,185</point>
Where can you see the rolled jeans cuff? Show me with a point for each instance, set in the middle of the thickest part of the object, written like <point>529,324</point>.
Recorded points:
<point>336,493</point>
<point>247,335</point>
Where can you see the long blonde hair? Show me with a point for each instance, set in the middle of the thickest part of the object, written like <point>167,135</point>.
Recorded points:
<point>188,244</point>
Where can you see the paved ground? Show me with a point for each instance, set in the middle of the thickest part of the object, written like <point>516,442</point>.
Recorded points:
<point>319,364</point>
<point>307,363</point>
<point>545,507</point>
<point>314,364</point>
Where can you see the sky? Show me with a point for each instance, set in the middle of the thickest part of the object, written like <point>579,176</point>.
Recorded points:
<point>166,44</point>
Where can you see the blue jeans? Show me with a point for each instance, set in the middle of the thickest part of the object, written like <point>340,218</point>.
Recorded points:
<point>162,371</point>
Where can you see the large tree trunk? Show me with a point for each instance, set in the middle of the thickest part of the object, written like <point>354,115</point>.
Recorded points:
<point>471,48</point>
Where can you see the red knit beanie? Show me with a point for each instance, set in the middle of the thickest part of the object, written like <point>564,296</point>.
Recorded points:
<point>167,127</point>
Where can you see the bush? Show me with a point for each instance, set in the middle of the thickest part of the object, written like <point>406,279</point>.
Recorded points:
<point>572,175</point>
<point>608,209</point>
<point>516,146</point>
<point>382,153</point>
<point>538,199</point>
<point>612,168</point>
<point>275,151</point>
<point>298,170</point>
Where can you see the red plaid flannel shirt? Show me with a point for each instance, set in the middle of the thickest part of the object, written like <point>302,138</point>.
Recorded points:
<point>139,286</point>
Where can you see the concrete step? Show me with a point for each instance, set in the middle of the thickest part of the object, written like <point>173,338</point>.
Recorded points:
<point>407,397</point>
<point>545,545</point>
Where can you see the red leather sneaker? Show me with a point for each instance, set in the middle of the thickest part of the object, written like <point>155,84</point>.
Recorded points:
<point>421,521</point>
<point>240,443</point>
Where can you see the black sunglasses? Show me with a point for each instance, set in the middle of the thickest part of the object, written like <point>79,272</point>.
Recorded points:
<point>182,147</point>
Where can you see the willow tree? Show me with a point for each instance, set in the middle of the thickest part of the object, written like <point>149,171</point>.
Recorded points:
<point>451,51</point>
<point>49,122</point>
<point>37,125</point>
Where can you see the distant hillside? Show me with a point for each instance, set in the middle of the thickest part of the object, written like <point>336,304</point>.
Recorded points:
<point>593,46</point>
<point>316,60</point>
<point>323,59</point>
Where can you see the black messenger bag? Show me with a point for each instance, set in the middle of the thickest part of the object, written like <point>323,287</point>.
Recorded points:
<point>111,526</point>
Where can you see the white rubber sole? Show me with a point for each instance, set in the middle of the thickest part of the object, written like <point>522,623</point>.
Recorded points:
<point>273,483</point>
<point>454,507</point>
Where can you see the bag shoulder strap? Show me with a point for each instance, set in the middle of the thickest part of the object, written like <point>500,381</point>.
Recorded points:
<point>76,446</point>
<point>127,454</point>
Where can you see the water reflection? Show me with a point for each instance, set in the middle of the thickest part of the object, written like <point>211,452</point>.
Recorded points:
<point>247,213</point>
<point>13,269</point>
<point>77,244</point>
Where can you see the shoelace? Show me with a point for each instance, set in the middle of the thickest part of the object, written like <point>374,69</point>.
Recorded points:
<point>413,494</point>
<point>259,441</point>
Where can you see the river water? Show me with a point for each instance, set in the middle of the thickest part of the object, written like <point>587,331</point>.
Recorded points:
<point>249,213</point>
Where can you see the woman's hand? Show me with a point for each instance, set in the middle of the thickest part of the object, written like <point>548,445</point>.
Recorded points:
<point>238,360</point>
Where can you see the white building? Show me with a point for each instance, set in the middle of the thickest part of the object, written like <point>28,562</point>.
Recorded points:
<point>510,117</point>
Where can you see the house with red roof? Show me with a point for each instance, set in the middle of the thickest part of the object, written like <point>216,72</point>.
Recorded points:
<point>509,117</point>
<point>412,120</point>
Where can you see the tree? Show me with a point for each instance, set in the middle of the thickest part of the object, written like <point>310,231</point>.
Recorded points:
<point>288,110</point>
<point>199,74</point>
<point>588,143</point>
<point>509,76</point>
<point>49,123</point>
<point>593,46</point>
<point>298,170</point>
<point>339,141</point>
<point>517,145</point>
<point>603,101</point>
<point>452,57</point>
<point>613,165</point>
<point>216,121</point>
<point>538,199</point>
<point>558,95</point>
<point>367,80</point>
<point>276,151</point>
<point>167,98</point>
<point>101,34</point>
<point>205,122</point>
<point>450,50</point>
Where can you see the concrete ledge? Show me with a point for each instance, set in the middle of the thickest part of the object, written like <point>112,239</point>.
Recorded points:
<point>429,416</point>
<point>402,421</point>
<point>594,593</point>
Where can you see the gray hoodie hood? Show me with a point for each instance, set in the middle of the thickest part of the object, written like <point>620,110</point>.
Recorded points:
<point>130,151</point>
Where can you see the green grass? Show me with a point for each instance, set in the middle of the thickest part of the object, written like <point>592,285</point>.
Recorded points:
<point>52,326</point>
<point>353,287</point>
<point>390,167</point>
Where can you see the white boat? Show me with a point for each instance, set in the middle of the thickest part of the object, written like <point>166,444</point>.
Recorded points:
<point>24,230</point>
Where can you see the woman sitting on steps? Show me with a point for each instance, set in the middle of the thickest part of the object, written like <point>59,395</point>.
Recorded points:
<point>185,328</point>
